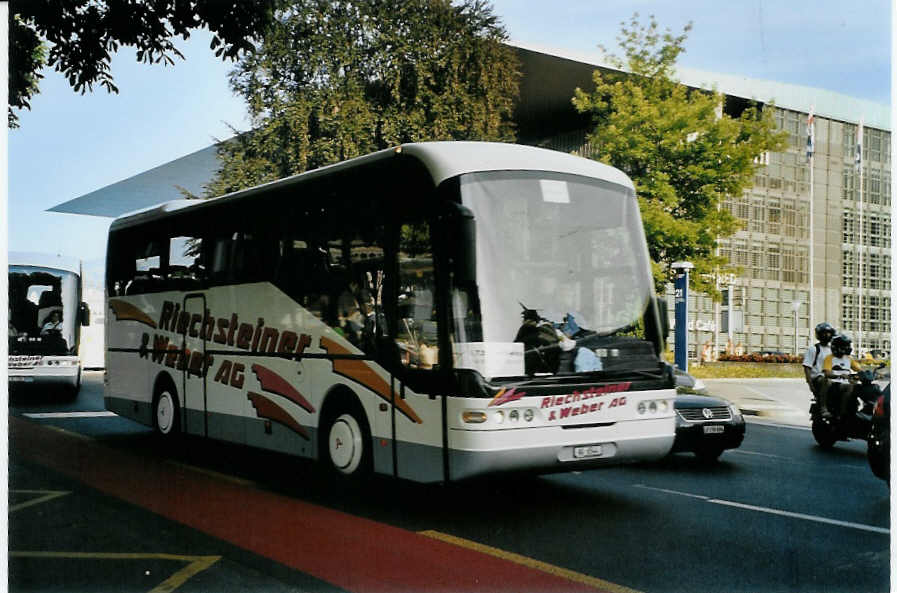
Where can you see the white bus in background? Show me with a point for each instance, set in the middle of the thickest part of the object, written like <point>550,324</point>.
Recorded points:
<point>435,312</point>
<point>46,314</point>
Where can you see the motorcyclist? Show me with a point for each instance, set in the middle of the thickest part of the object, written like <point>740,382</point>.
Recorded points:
<point>815,356</point>
<point>837,368</point>
<point>538,336</point>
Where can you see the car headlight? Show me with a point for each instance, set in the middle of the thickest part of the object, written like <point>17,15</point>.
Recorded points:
<point>736,412</point>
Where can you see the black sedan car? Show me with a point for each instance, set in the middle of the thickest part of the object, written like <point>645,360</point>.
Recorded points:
<point>705,425</point>
<point>879,448</point>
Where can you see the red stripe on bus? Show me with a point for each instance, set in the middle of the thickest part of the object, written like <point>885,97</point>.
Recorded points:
<point>274,383</point>
<point>268,409</point>
<point>350,552</point>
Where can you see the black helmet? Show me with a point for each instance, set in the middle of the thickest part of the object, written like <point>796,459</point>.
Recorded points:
<point>824,332</point>
<point>841,345</point>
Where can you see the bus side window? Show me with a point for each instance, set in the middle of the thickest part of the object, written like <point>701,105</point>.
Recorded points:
<point>417,335</point>
<point>147,269</point>
<point>359,290</point>
<point>186,270</point>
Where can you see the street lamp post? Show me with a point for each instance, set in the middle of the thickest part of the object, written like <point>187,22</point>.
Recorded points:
<point>795,306</point>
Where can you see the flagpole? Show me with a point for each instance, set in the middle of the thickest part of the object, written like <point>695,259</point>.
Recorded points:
<point>861,258</point>
<point>811,150</point>
<point>812,147</point>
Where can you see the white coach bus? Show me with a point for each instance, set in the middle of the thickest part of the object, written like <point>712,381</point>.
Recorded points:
<point>435,311</point>
<point>45,318</point>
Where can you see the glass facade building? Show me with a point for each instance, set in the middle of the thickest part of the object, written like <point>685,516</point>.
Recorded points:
<point>766,306</point>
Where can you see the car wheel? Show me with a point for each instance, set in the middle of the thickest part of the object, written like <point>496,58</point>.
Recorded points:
<point>709,454</point>
<point>348,445</point>
<point>166,412</point>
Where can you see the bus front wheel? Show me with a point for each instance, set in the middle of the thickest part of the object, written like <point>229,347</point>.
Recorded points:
<point>348,446</point>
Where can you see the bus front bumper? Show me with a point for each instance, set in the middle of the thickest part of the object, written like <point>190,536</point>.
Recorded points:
<point>51,376</point>
<point>476,453</point>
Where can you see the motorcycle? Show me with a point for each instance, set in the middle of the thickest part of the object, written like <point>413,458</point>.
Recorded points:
<point>856,423</point>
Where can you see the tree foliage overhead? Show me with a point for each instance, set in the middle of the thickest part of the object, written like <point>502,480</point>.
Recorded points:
<point>78,37</point>
<point>682,151</point>
<point>335,79</point>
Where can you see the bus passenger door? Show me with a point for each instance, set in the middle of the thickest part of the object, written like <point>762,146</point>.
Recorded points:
<point>418,403</point>
<point>194,417</point>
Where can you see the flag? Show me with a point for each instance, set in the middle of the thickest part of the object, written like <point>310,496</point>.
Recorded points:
<point>859,155</point>
<point>811,135</point>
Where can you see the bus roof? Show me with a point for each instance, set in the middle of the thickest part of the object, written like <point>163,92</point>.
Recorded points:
<point>45,260</point>
<point>443,160</point>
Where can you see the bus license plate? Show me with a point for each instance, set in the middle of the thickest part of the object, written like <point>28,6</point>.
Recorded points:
<point>587,451</point>
<point>714,429</point>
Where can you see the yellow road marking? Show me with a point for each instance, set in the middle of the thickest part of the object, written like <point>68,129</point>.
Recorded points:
<point>530,563</point>
<point>47,495</point>
<point>213,473</point>
<point>195,564</point>
<point>69,433</point>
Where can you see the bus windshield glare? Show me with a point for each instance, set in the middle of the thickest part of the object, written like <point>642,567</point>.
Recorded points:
<point>557,252</point>
<point>43,310</point>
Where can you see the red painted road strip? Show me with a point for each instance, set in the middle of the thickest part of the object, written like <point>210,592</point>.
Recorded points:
<point>350,552</point>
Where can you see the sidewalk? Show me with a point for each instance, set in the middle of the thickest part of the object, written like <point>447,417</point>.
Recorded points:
<point>786,401</point>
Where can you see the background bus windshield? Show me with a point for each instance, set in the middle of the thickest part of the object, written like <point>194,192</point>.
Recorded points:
<point>43,310</point>
<point>564,246</point>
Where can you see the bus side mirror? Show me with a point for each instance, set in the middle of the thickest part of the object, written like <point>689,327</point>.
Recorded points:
<point>657,323</point>
<point>664,316</point>
<point>84,314</point>
<point>461,238</point>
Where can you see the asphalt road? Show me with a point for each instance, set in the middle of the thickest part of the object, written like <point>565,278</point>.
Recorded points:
<point>778,514</point>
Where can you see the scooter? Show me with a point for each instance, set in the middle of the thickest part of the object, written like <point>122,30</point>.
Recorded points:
<point>856,423</point>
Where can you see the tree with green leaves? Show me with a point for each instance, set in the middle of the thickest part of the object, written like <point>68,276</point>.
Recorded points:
<point>336,79</point>
<point>681,148</point>
<point>77,37</point>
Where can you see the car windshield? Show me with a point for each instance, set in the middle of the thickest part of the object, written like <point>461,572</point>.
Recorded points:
<point>555,250</point>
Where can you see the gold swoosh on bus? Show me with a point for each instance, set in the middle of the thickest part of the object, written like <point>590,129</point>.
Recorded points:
<point>361,372</point>
<point>127,312</point>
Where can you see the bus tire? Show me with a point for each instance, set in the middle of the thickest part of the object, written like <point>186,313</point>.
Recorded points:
<point>346,441</point>
<point>70,392</point>
<point>166,410</point>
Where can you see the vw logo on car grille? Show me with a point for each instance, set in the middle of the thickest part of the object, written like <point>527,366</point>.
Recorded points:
<point>707,413</point>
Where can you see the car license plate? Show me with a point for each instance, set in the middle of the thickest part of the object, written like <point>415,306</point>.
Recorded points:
<point>714,429</point>
<point>586,451</point>
<point>21,379</point>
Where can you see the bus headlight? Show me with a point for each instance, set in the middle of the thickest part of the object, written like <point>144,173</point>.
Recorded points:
<point>499,416</point>
<point>528,415</point>
<point>653,406</point>
<point>514,416</point>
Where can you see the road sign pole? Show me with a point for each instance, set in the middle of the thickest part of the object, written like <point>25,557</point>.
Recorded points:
<point>681,314</point>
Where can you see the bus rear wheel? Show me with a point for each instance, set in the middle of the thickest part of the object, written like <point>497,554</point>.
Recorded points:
<point>348,445</point>
<point>166,417</point>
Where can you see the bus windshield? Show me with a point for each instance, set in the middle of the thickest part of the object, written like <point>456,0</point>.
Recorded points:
<point>43,311</point>
<point>554,252</point>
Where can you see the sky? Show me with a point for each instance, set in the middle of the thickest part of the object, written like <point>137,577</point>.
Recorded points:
<point>70,144</point>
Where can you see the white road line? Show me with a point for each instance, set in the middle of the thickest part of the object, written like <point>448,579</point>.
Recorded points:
<point>816,518</point>
<point>771,511</point>
<point>770,455</point>
<point>676,492</point>
<point>43,415</point>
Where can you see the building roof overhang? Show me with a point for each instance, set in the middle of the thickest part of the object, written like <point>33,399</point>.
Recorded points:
<point>544,109</point>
